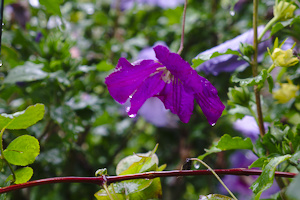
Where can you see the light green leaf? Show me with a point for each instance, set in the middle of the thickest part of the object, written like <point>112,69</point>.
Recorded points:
<point>26,73</point>
<point>212,150</point>
<point>265,180</point>
<point>258,80</point>
<point>258,163</point>
<point>214,197</point>
<point>22,151</point>
<point>228,143</point>
<point>293,191</point>
<point>104,66</point>
<point>52,6</point>
<point>205,57</point>
<point>22,175</point>
<point>23,119</point>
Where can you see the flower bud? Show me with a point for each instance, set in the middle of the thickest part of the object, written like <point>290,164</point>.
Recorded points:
<point>284,10</point>
<point>239,95</point>
<point>286,92</point>
<point>283,58</point>
<point>246,49</point>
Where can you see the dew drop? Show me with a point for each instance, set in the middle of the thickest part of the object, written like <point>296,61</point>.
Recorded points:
<point>213,124</point>
<point>130,96</point>
<point>232,13</point>
<point>197,165</point>
<point>127,109</point>
<point>132,115</point>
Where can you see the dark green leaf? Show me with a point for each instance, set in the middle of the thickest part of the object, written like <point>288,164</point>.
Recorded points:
<point>295,160</point>
<point>202,58</point>
<point>271,83</point>
<point>26,73</point>
<point>22,151</point>
<point>228,143</point>
<point>280,25</point>
<point>258,80</point>
<point>23,119</point>
<point>293,191</point>
<point>22,175</point>
<point>265,180</point>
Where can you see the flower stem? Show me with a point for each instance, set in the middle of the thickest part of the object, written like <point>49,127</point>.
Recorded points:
<point>254,69</point>
<point>182,31</point>
<point>267,27</point>
<point>146,175</point>
<point>271,68</point>
<point>216,175</point>
<point>107,192</point>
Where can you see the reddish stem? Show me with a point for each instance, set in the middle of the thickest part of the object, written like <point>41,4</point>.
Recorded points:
<point>146,175</point>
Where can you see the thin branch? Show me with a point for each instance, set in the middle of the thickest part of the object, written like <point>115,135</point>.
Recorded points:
<point>182,31</point>
<point>254,69</point>
<point>147,175</point>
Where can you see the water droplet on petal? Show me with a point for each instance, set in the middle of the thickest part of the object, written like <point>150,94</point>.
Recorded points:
<point>130,96</point>
<point>232,12</point>
<point>132,115</point>
<point>197,165</point>
<point>213,124</point>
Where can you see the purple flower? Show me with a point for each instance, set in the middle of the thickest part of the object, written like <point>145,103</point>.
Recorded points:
<point>248,127</point>
<point>229,63</point>
<point>171,79</point>
<point>128,4</point>
<point>241,184</point>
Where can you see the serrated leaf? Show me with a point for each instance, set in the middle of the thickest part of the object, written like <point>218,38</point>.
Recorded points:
<point>22,151</point>
<point>214,197</point>
<point>205,57</point>
<point>265,180</point>
<point>22,175</point>
<point>52,6</point>
<point>26,73</point>
<point>23,119</point>
<point>293,191</point>
<point>257,80</point>
<point>228,143</point>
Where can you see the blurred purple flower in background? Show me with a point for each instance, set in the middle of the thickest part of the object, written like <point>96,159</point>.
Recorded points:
<point>247,126</point>
<point>229,63</point>
<point>171,79</point>
<point>164,4</point>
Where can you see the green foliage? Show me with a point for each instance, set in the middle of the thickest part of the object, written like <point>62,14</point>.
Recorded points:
<point>214,197</point>
<point>52,6</point>
<point>22,151</point>
<point>280,25</point>
<point>293,191</point>
<point>22,119</point>
<point>22,175</point>
<point>258,80</point>
<point>265,180</point>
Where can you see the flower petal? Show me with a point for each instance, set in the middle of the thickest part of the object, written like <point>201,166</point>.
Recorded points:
<point>207,97</point>
<point>178,100</point>
<point>128,77</point>
<point>173,62</point>
<point>150,87</point>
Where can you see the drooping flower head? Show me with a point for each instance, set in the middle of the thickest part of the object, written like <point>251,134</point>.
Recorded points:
<point>171,79</point>
<point>287,92</point>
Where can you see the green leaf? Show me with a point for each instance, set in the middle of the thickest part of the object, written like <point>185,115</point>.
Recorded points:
<point>280,25</point>
<point>22,175</point>
<point>26,73</point>
<point>265,180</point>
<point>214,197</point>
<point>228,143</point>
<point>271,83</point>
<point>104,66</point>
<point>23,119</point>
<point>52,6</point>
<point>205,57</point>
<point>212,150</point>
<point>22,151</point>
<point>293,191</point>
<point>257,80</point>
<point>258,163</point>
<point>295,160</point>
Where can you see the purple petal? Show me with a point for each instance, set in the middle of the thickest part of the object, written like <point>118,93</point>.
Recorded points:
<point>127,78</point>
<point>174,63</point>
<point>150,87</point>
<point>207,97</point>
<point>229,63</point>
<point>178,100</point>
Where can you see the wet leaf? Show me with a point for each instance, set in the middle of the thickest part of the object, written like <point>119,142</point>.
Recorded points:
<point>265,180</point>
<point>229,143</point>
<point>22,151</point>
<point>258,80</point>
<point>23,119</point>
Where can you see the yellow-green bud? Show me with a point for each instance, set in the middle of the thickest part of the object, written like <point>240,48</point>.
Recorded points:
<point>284,10</point>
<point>286,92</point>
<point>239,95</point>
<point>284,58</point>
